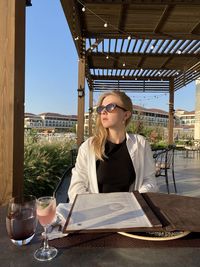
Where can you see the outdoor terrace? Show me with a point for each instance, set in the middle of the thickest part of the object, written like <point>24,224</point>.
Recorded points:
<point>187,174</point>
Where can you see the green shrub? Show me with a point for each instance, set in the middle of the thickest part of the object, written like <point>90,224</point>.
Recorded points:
<point>44,165</point>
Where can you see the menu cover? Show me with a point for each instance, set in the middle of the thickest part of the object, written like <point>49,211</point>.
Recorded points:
<point>176,212</point>
<point>133,212</point>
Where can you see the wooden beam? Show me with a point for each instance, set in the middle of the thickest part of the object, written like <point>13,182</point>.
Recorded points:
<point>171,112</point>
<point>168,9</point>
<point>123,17</point>
<point>12,73</point>
<point>132,55</point>
<point>72,15</point>
<point>129,78</point>
<point>195,28</point>
<point>81,101</point>
<point>143,35</point>
<point>146,2</point>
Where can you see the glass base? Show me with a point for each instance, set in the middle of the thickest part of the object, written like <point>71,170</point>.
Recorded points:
<point>47,254</point>
<point>22,242</point>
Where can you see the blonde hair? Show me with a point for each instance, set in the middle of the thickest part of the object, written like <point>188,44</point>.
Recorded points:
<point>101,133</point>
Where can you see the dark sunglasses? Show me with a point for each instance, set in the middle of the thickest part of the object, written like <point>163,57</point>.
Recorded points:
<point>109,108</point>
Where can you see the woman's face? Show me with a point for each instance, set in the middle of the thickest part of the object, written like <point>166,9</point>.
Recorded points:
<point>115,119</point>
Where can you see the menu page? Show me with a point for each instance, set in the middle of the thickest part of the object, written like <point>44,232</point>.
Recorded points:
<point>107,211</point>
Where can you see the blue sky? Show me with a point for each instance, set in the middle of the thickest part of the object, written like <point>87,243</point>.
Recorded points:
<point>52,67</point>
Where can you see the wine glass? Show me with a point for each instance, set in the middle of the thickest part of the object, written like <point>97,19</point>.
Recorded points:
<point>21,219</point>
<point>46,211</point>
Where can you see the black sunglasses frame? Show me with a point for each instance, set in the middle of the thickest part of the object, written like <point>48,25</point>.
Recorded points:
<point>108,108</point>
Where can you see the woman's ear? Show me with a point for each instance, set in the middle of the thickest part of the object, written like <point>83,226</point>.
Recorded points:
<point>127,115</point>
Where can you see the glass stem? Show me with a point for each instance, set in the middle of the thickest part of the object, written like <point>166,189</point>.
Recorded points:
<point>46,244</point>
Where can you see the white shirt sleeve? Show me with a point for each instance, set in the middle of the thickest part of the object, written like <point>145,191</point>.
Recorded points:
<point>79,180</point>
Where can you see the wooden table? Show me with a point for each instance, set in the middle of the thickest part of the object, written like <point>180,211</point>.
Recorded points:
<point>104,250</point>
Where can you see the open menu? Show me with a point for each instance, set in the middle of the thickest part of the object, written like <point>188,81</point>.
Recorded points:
<point>133,212</point>
<point>108,212</point>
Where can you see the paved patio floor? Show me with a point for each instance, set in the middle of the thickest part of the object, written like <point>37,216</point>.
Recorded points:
<point>187,175</point>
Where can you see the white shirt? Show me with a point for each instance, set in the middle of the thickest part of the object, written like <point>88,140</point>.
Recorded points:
<point>84,176</point>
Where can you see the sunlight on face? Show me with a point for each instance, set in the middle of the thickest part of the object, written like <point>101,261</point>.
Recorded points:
<point>116,118</point>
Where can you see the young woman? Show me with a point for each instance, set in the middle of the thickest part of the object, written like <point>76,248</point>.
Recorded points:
<point>113,160</point>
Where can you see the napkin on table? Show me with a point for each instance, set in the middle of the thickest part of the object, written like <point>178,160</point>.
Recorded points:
<point>55,230</point>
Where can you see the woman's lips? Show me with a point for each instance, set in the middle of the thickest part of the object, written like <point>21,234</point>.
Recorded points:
<point>104,119</point>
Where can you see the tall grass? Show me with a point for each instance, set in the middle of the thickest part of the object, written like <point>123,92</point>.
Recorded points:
<point>44,164</point>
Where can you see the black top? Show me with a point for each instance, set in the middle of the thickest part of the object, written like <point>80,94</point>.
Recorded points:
<point>116,173</point>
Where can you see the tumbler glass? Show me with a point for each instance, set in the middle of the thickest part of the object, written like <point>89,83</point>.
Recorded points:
<point>21,219</point>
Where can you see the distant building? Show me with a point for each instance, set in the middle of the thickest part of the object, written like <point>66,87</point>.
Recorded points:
<point>185,123</point>
<point>50,121</point>
<point>151,117</point>
<point>32,121</point>
<point>185,117</point>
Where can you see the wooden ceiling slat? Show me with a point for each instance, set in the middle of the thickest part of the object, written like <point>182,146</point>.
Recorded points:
<point>153,46</point>
<point>185,45</point>
<point>140,46</point>
<point>133,73</point>
<point>195,48</point>
<point>160,45</point>
<point>128,45</point>
<point>148,72</point>
<point>90,42</point>
<point>120,72</point>
<point>109,45</point>
<point>128,74</point>
<point>163,48</point>
<point>147,45</point>
<point>183,81</point>
<point>172,46</point>
<point>97,47</point>
<point>116,41</point>
<point>134,46</point>
<point>164,72</point>
<point>178,46</point>
<point>122,44</point>
<point>153,73</point>
<point>190,46</point>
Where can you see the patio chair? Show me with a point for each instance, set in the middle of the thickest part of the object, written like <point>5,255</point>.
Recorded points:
<point>164,161</point>
<point>61,191</point>
<point>73,154</point>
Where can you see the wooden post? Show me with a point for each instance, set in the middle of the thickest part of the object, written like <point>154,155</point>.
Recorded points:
<point>81,101</point>
<point>171,112</point>
<point>90,111</point>
<point>12,73</point>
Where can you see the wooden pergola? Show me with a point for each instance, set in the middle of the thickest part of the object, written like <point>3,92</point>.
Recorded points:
<point>134,46</point>
<point>130,45</point>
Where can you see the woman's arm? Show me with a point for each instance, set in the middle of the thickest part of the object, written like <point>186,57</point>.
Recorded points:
<point>79,181</point>
<point>149,180</point>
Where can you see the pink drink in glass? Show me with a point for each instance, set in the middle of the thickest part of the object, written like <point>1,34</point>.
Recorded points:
<point>46,212</point>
